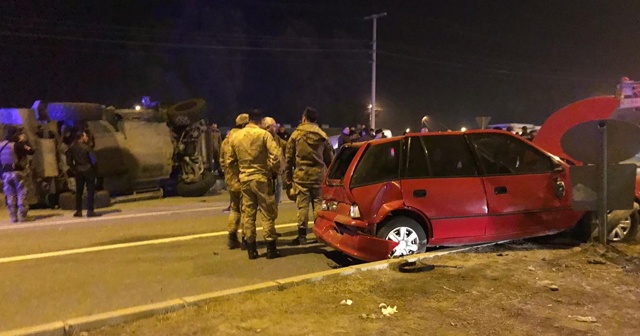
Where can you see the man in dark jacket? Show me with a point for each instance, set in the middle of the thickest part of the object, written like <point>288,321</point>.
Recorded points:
<point>82,162</point>
<point>15,164</point>
<point>345,137</point>
<point>308,154</point>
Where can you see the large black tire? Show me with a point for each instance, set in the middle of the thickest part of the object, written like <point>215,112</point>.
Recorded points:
<point>67,200</point>
<point>196,189</point>
<point>187,112</point>
<point>415,234</point>
<point>75,112</point>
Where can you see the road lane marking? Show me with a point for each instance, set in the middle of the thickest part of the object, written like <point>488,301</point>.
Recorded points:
<point>74,220</point>
<point>7,260</point>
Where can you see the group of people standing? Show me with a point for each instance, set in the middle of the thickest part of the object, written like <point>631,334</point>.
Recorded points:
<point>359,134</point>
<point>253,157</point>
<point>15,152</point>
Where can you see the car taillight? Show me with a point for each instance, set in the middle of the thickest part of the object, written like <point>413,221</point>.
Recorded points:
<point>354,211</point>
<point>329,205</point>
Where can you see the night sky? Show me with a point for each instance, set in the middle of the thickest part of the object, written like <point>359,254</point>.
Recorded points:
<point>516,61</point>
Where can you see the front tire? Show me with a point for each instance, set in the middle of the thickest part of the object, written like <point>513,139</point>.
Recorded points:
<point>408,233</point>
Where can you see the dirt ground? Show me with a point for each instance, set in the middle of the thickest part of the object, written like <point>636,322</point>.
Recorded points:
<point>514,289</point>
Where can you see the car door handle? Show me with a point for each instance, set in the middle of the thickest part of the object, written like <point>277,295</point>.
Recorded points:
<point>500,190</point>
<point>419,193</point>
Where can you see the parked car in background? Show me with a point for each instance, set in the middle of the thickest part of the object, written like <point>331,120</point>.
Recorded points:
<point>396,196</point>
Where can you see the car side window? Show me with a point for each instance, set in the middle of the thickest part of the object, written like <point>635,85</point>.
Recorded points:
<point>379,163</point>
<point>449,156</point>
<point>502,154</point>
<point>417,164</point>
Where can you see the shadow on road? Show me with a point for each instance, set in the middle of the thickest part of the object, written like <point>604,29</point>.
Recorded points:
<point>108,212</point>
<point>45,216</point>
<point>340,259</point>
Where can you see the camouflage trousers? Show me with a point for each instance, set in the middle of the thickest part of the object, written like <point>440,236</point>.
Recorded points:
<point>307,195</point>
<point>16,189</point>
<point>234,213</point>
<point>258,195</point>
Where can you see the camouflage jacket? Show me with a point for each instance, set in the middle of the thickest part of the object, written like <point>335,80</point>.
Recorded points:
<point>282,144</point>
<point>254,154</point>
<point>308,155</point>
<point>231,178</point>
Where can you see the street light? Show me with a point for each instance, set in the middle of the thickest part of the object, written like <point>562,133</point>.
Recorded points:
<point>137,107</point>
<point>463,129</point>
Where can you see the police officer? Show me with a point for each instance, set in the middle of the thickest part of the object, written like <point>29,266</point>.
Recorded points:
<point>232,181</point>
<point>308,155</point>
<point>15,164</point>
<point>82,161</point>
<point>256,156</point>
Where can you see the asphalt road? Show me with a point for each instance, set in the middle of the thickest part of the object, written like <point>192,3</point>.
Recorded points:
<point>59,267</point>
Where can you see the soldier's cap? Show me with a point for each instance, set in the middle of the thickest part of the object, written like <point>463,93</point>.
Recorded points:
<point>268,122</point>
<point>242,119</point>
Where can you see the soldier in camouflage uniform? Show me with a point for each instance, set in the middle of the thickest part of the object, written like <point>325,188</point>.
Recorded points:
<point>15,164</point>
<point>308,154</point>
<point>256,157</point>
<point>232,181</point>
<point>270,125</point>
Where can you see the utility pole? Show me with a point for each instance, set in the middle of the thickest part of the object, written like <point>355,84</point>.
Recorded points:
<point>372,117</point>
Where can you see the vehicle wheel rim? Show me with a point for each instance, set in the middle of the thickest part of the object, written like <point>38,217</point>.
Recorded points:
<point>407,240</point>
<point>621,231</point>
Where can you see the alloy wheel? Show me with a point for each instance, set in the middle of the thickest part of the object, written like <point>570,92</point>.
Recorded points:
<point>621,231</point>
<point>407,240</point>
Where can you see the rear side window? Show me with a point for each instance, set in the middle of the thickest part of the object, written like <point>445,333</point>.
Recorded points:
<point>379,163</point>
<point>417,164</point>
<point>341,163</point>
<point>449,156</point>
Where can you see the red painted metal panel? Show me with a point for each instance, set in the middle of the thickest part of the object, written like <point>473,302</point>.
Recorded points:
<point>529,200</point>
<point>364,247</point>
<point>550,133</point>
<point>452,205</point>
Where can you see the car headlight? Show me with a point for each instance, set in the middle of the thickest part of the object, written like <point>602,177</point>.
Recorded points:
<point>354,211</point>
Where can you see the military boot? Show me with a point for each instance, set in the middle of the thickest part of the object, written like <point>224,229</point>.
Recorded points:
<point>232,241</point>
<point>243,245</point>
<point>272,250</point>
<point>302,237</point>
<point>252,250</point>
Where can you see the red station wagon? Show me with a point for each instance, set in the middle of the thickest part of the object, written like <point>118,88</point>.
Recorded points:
<point>394,197</point>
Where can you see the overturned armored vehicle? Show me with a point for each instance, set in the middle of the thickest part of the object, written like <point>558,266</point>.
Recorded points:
<point>149,150</point>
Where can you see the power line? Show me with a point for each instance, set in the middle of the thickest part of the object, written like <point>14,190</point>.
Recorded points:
<point>199,56</point>
<point>173,45</point>
<point>494,70</point>
<point>118,29</point>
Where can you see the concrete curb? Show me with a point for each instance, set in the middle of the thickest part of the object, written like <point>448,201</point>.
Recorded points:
<point>76,325</point>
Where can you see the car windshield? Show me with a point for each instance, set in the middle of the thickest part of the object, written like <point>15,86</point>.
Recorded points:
<point>341,164</point>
